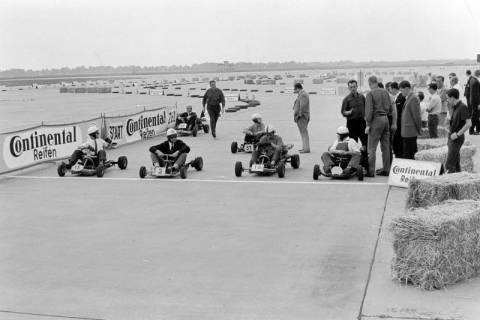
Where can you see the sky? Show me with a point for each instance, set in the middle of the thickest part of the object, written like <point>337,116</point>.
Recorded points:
<point>39,34</point>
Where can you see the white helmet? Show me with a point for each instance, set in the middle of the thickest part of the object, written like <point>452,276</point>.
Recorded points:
<point>92,129</point>
<point>342,130</point>
<point>171,132</point>
<point>256,116</point>
<point>269,129</point>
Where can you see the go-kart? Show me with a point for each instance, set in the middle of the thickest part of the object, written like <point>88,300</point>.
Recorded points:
<point>337,170</point>
<point>200,124</point>
<point>247,147</point>
<point>167,170</point>
<point>263,166</point>
<point>89,165</point>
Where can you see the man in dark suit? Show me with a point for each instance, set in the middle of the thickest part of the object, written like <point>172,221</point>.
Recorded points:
<point>411,121</point>
<point>172,147</point>
<point>399,101</point>
<point>475,102</point>
<point>301,115</point>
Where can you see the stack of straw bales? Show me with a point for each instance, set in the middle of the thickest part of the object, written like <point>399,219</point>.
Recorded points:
<point>437,246</point>
<point>434,190</point>
<point>426,144</point>
<point>441,132</point>
<point>440,155</point>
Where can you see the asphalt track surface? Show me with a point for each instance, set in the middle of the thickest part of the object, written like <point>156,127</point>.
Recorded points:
<point>212,246</point>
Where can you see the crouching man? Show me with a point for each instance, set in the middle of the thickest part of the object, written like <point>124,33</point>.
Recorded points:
<point>344,146</point>
<point>172,147</point>
<point>271,143</point>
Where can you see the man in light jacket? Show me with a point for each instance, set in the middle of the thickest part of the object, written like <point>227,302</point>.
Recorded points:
<point>411,121</point>
<point>301,115</point>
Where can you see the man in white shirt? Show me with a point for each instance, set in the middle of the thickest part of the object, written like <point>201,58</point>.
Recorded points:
<point>434,108</point>
<point>343,146</point>
<point>94,146</point>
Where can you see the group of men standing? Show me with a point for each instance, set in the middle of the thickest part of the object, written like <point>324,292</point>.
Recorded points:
<point>393,118</point>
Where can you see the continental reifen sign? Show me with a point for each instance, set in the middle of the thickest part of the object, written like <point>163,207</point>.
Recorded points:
<point>148,124</point>
<point>40,144</point>
<point>403,171</point>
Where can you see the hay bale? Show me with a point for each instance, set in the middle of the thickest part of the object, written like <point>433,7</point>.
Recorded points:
<point>426,144</point>
<point>434,190</point>
<point>440,155</point>
<point>438,245</point>
<point>441,132</point>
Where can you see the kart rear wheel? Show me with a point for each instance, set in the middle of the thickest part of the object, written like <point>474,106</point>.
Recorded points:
<point>234,147</point>
<point>62,169</point>
<point>238,169</point>
<point>122,162</point>
<point>198,163</point>
<point>100,171</point>
<point>143,172</point>
<point>316,172</point>
<point>183,172</point>
<point>206,128</point>
<point>295,161</point>
<point>360,173</point>
<point>281,170</point>
<point>194,131</point>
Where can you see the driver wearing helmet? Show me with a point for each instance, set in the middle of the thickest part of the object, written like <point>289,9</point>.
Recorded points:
<point>94,146</point>
<point>256,130</point>
<point>189,117</point>
<point>343,146</point>
<point>270,142</point>
<point>172,147</point>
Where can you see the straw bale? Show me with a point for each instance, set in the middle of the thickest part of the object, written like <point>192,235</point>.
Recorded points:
<point>440,155</point>
<point>438,245</point>
<point>441,132</point>
<point>425,144</point>
<point>434,190</point>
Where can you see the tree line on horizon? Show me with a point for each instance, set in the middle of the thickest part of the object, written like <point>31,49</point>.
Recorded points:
<point>220,67</point>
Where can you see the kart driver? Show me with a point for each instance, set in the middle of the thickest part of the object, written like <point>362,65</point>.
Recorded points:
<point>270,142</point>
<point>343,146</point>
<point>256,130</point>
<point>94,146</point>
<point>172,147</point>
<point>189,117</point>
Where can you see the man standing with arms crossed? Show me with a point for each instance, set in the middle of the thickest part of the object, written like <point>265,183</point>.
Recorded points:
<point>377,107</point>
<point>410,121</point>
<point>301,115</point>
<point>213,98</point>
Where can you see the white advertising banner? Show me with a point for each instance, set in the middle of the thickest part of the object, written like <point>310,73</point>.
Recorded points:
<point>40,144</point>
<point>403,171</point>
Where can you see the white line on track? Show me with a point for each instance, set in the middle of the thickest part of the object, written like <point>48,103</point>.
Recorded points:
<point>202,180</point>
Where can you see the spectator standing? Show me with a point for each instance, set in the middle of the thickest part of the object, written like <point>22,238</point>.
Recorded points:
<point>353,109</point>
<point>301,115</point>
<point>423,108</point>
<point>442,92</point>
<point>460,122</point>
<point>215,101</point>
<point>399,102</point>
<point>411,121</point>
<point>466,92</point>
<point>377,107</point>
<point>475,102</point>
<point>433,109</point>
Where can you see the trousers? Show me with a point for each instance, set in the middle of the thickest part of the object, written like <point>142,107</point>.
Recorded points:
<point>379,132</point>
<point>302,124</point>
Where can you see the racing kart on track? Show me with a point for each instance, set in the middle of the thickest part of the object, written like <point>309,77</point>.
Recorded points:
<point>167,171</point>
<point>337,170</point>
<point>247,147</point>
<point>200,124</point>
<point>89,165</point>
<point>263,165</point>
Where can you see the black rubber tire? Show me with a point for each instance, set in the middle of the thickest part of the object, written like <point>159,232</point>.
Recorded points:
<point>194,132</point>
<point>122,162</point>
<point>234,147</point>
<point>295,161</point>
<point>281,170</point>
<point>198,163</point>
<point>316,172</point>
<point>62,169</point>
<point>238,169</point>
<point>183,172</point>
<point>142,172</point>
<point>206,128</point>
<point>100,171</point>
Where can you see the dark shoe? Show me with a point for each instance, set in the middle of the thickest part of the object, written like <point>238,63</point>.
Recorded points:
<point>327,170</point>
<point>68,166</point>
<point>370,175</point>
<point>378,171</point>
<point>347,171</point>
<point>383,173</point>
<point>214,134</point>
<point>304,151</point>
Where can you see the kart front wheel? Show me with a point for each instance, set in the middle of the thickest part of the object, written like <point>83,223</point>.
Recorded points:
<point>194,131</point>
<point>100,171</point>
<point>62,169</point>
<point>238,169</point>
<point>122,162</point>
<point>234,147</point>
<point>206,128</point>
<point>316,172</point>
<point>295,161</point>
<point>143,172</point>
<point>198,163</point>
<point>183,172</point>
<point>281,170</point>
